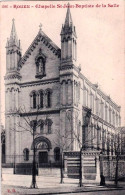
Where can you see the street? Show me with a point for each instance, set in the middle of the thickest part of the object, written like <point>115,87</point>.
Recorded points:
<point>121,192</point>
<point>20,184</point>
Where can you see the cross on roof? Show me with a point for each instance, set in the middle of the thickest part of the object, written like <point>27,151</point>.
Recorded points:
<point>40,27</point>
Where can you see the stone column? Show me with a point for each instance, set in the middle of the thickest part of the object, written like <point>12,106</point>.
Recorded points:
<point>64,93</point>
<point>10,61</point>
<point>17,99</point>
<point>98,137</point>
<point>12,99</point>
<point>70,92</point>
<point>31,101</point>
<point>17,137</point>
<point>74,99</point>
<point>7,100</point>
<point>75,50</point>
<point>69,48</point>
<point>92,134</point>
<point>65,164</point>
<point>106,141</point>
<point>7,124</point>
<point>63,50</point>
<point>66,48</point>
<point>97,169</point>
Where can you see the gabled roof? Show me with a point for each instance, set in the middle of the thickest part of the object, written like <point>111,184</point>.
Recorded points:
<point>41,36</point>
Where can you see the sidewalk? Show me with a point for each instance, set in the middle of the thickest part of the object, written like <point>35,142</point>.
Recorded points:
<point>20,184</point>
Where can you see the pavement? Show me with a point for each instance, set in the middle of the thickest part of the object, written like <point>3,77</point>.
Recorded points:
<point>20,184</point>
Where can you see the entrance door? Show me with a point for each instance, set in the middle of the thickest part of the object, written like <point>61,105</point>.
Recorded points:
<point>43,157</point>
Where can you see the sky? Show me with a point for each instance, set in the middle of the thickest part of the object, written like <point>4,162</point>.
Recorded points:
<point>100,39</point>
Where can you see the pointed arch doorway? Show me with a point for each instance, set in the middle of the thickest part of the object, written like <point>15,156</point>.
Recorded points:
<point>43,146</point>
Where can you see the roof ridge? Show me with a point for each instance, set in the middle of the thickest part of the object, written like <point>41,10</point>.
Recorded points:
<point>39,37</point>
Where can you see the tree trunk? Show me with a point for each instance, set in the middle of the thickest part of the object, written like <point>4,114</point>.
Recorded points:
<point>33,184</point>
<point>80,169</point>
<point>116,171</point>
<point>61,169</point>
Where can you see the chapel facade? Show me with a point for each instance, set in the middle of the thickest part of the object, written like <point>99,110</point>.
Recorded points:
<point>46,92</point>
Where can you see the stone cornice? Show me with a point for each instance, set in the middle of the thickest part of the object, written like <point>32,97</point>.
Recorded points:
<point>67,67</point>
<point>35,113</point>
<point>33,83</point>
<point>40,82</point>
<point>72,154</point>
<point>13,75</point>
<point>12,83</point>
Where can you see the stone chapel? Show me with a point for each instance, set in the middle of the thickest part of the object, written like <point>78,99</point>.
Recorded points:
<point>46,91</point>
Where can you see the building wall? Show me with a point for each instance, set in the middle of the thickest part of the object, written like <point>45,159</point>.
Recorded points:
<point>28,70</point>
<point>73,96</point>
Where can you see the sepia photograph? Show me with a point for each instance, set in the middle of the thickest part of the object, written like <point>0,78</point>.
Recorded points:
<point>62,97</point>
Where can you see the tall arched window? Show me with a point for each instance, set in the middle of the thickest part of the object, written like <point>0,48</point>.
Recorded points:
<point>41,99</point>
<point>26,154</point>
<point>34,100</point>
<point>49,97</point>
<point>106,112</point>
<point>57,154</point>
<point>42,127</point>
<point>49,125</point>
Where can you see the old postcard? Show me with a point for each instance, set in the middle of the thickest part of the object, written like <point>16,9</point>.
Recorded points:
<point>62,97</point>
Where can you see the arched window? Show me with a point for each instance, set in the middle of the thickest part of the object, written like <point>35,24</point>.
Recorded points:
<point>41,99</point>
<point>49,125</point>
<point>34,100</point>
<point>26,154</point>
<point>57,154</point>
<point>49,97</point>
<point>42,127</point>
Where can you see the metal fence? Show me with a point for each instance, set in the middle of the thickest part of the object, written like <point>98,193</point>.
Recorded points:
<point>42,161</point>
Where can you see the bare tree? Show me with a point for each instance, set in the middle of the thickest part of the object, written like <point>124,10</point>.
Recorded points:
<point>78,135</point>
<point>64,142</point>
<point>66,139</point>
<point>29,125</point>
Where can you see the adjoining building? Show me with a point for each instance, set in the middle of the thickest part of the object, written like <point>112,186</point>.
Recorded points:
<point>47,82</point>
